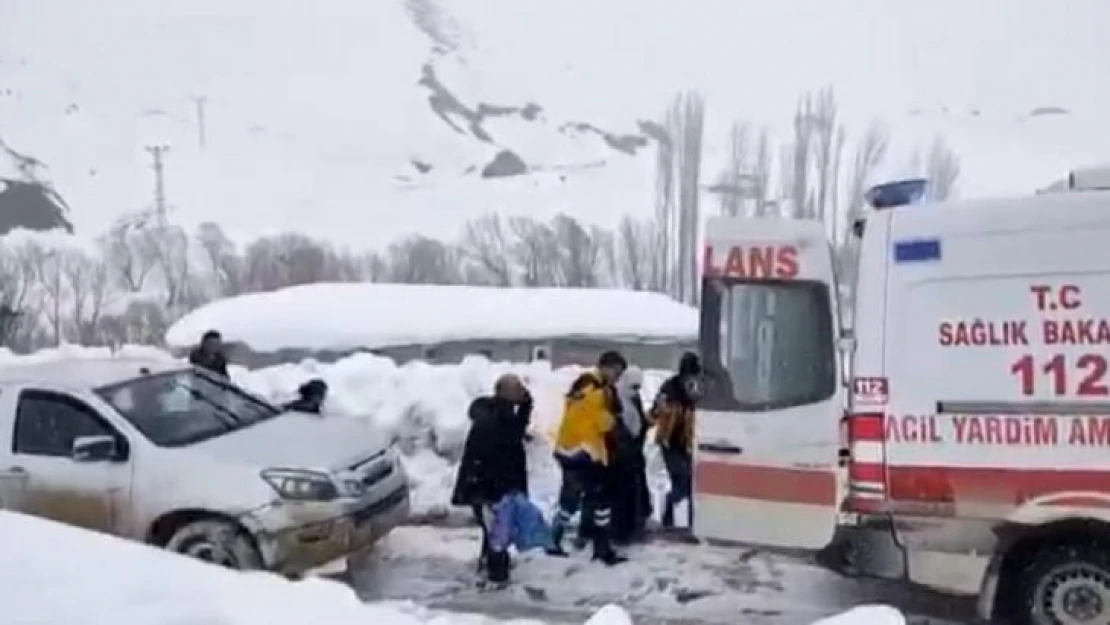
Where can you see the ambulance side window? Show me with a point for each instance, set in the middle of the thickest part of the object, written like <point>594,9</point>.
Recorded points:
<point>768,345</point>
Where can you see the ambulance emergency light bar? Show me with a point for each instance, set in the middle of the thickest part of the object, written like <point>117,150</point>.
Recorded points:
<point>1089,179</point>
<point>897,193</point>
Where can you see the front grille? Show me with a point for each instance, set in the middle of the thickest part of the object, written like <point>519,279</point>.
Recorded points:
<point>381,505</point>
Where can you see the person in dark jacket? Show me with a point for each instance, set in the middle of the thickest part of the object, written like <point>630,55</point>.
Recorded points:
<point>631,498</point>
<point>673,417</point>
<point>311,396</point>
<point>494,463</point>
<point>209,355</point>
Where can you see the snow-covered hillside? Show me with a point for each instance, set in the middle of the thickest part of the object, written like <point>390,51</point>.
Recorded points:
<point>357,121</point>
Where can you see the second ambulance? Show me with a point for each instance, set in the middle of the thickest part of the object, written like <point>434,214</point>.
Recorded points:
<point>959,435</point>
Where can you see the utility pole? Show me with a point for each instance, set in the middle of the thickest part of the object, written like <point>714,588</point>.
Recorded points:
<point>157,152</point>
<point>202,131</point>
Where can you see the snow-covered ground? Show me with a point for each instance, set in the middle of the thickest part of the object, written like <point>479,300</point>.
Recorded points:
<point>54,574</point>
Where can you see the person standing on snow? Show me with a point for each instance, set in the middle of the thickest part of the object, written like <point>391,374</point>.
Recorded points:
<point>209,355</point>
<point>494,464</point>
<point>583,451</point>
<point>673,416</point>
<point>631,498</point>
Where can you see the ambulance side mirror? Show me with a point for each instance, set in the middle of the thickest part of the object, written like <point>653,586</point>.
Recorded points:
<point>846,348</point>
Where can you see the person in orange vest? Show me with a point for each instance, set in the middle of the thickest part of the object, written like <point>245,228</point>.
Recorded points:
<point>673,416</point>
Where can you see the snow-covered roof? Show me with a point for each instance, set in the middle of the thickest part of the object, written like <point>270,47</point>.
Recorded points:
<point>353,315</point>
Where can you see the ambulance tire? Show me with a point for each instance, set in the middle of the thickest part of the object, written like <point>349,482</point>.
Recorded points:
<point>1060,579</point>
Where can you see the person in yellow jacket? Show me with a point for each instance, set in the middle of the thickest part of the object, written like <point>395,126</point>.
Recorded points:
<point>583,445</point>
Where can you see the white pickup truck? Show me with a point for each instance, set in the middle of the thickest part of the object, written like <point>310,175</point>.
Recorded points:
<point>169,455</point>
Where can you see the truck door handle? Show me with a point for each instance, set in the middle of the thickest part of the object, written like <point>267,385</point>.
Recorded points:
<point>16,470</point>
<point>722,447</point>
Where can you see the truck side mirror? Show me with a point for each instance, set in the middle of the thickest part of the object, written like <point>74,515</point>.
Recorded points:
<point>846,348</point>
<point>95,449</point>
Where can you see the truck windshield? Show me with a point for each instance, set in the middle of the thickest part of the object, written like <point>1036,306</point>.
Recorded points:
<point>767,345</point>
<point>185,407</point>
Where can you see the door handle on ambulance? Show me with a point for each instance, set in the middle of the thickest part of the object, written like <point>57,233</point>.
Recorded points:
<point>720,447</point>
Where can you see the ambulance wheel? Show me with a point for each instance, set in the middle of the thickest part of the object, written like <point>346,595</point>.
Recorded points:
<point>1065,585</point>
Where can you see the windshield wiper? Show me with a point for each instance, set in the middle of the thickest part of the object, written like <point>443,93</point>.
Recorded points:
<point>233,420</point>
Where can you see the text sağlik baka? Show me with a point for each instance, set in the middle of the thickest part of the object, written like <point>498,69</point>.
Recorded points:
<point>979,333</point>
<point>1008,430</point>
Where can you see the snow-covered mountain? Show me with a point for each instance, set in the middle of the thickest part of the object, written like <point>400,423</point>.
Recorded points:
<point>359,121</point>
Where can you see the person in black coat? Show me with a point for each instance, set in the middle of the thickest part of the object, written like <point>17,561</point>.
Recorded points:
<point>494,463</point>
<point>311,396</point>
<point>209,355</point>
<point>631,498</point>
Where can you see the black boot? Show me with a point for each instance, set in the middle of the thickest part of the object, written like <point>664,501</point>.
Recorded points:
<point>668,513</point>
<point>497,567</point>
<point>603,549</point>
<point>556,546</point>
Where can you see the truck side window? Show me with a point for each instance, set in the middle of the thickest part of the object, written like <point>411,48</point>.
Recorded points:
<point>46,424</point>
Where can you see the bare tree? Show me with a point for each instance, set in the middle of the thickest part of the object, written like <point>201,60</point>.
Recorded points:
<point>870,152</point>
<point>486,243</point>
<point>536,251</point>
<point>942,169</point>
<point>175,268</point>
<point>636,247</point>
<point>796,160</point>
<point>828,149</point>
<point>223,260</point>
<point>581,252</point>
<point>48,267</point>
<point>688,129</point>
<point>665,215</point>
<point>130,250</point>
<point>143,321</point>
<point>19,298</point>
<point>734,182</point>
<point>87,282</point>
<point>761,175</point>
<point>422,260</point>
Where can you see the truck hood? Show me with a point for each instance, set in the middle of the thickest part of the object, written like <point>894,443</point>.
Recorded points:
<point>297,440</point>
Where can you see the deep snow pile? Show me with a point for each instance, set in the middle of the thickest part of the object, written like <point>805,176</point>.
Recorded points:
<point>103,579</point>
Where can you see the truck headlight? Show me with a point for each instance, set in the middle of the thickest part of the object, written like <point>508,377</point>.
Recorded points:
<point>301,485</point>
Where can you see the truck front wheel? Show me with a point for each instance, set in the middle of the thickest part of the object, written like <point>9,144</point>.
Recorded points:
<point>1064,585</point>
<point>218,542</point>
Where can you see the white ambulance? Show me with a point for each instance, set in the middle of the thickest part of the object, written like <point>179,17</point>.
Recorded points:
<point>959,437</point>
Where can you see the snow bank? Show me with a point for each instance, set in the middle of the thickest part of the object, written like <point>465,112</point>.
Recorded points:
<point>866,615</point>
<point>351,315</point>
<point>54,574</point>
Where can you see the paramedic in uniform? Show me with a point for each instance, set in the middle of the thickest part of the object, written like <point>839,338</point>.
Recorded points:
<point>582,448</point>
<point>673,416</point>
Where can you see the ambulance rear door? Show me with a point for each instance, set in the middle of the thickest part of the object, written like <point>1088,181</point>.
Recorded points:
<point>768,427</point>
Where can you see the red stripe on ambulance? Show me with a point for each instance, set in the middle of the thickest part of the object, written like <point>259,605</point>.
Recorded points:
<point>780,485</point>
